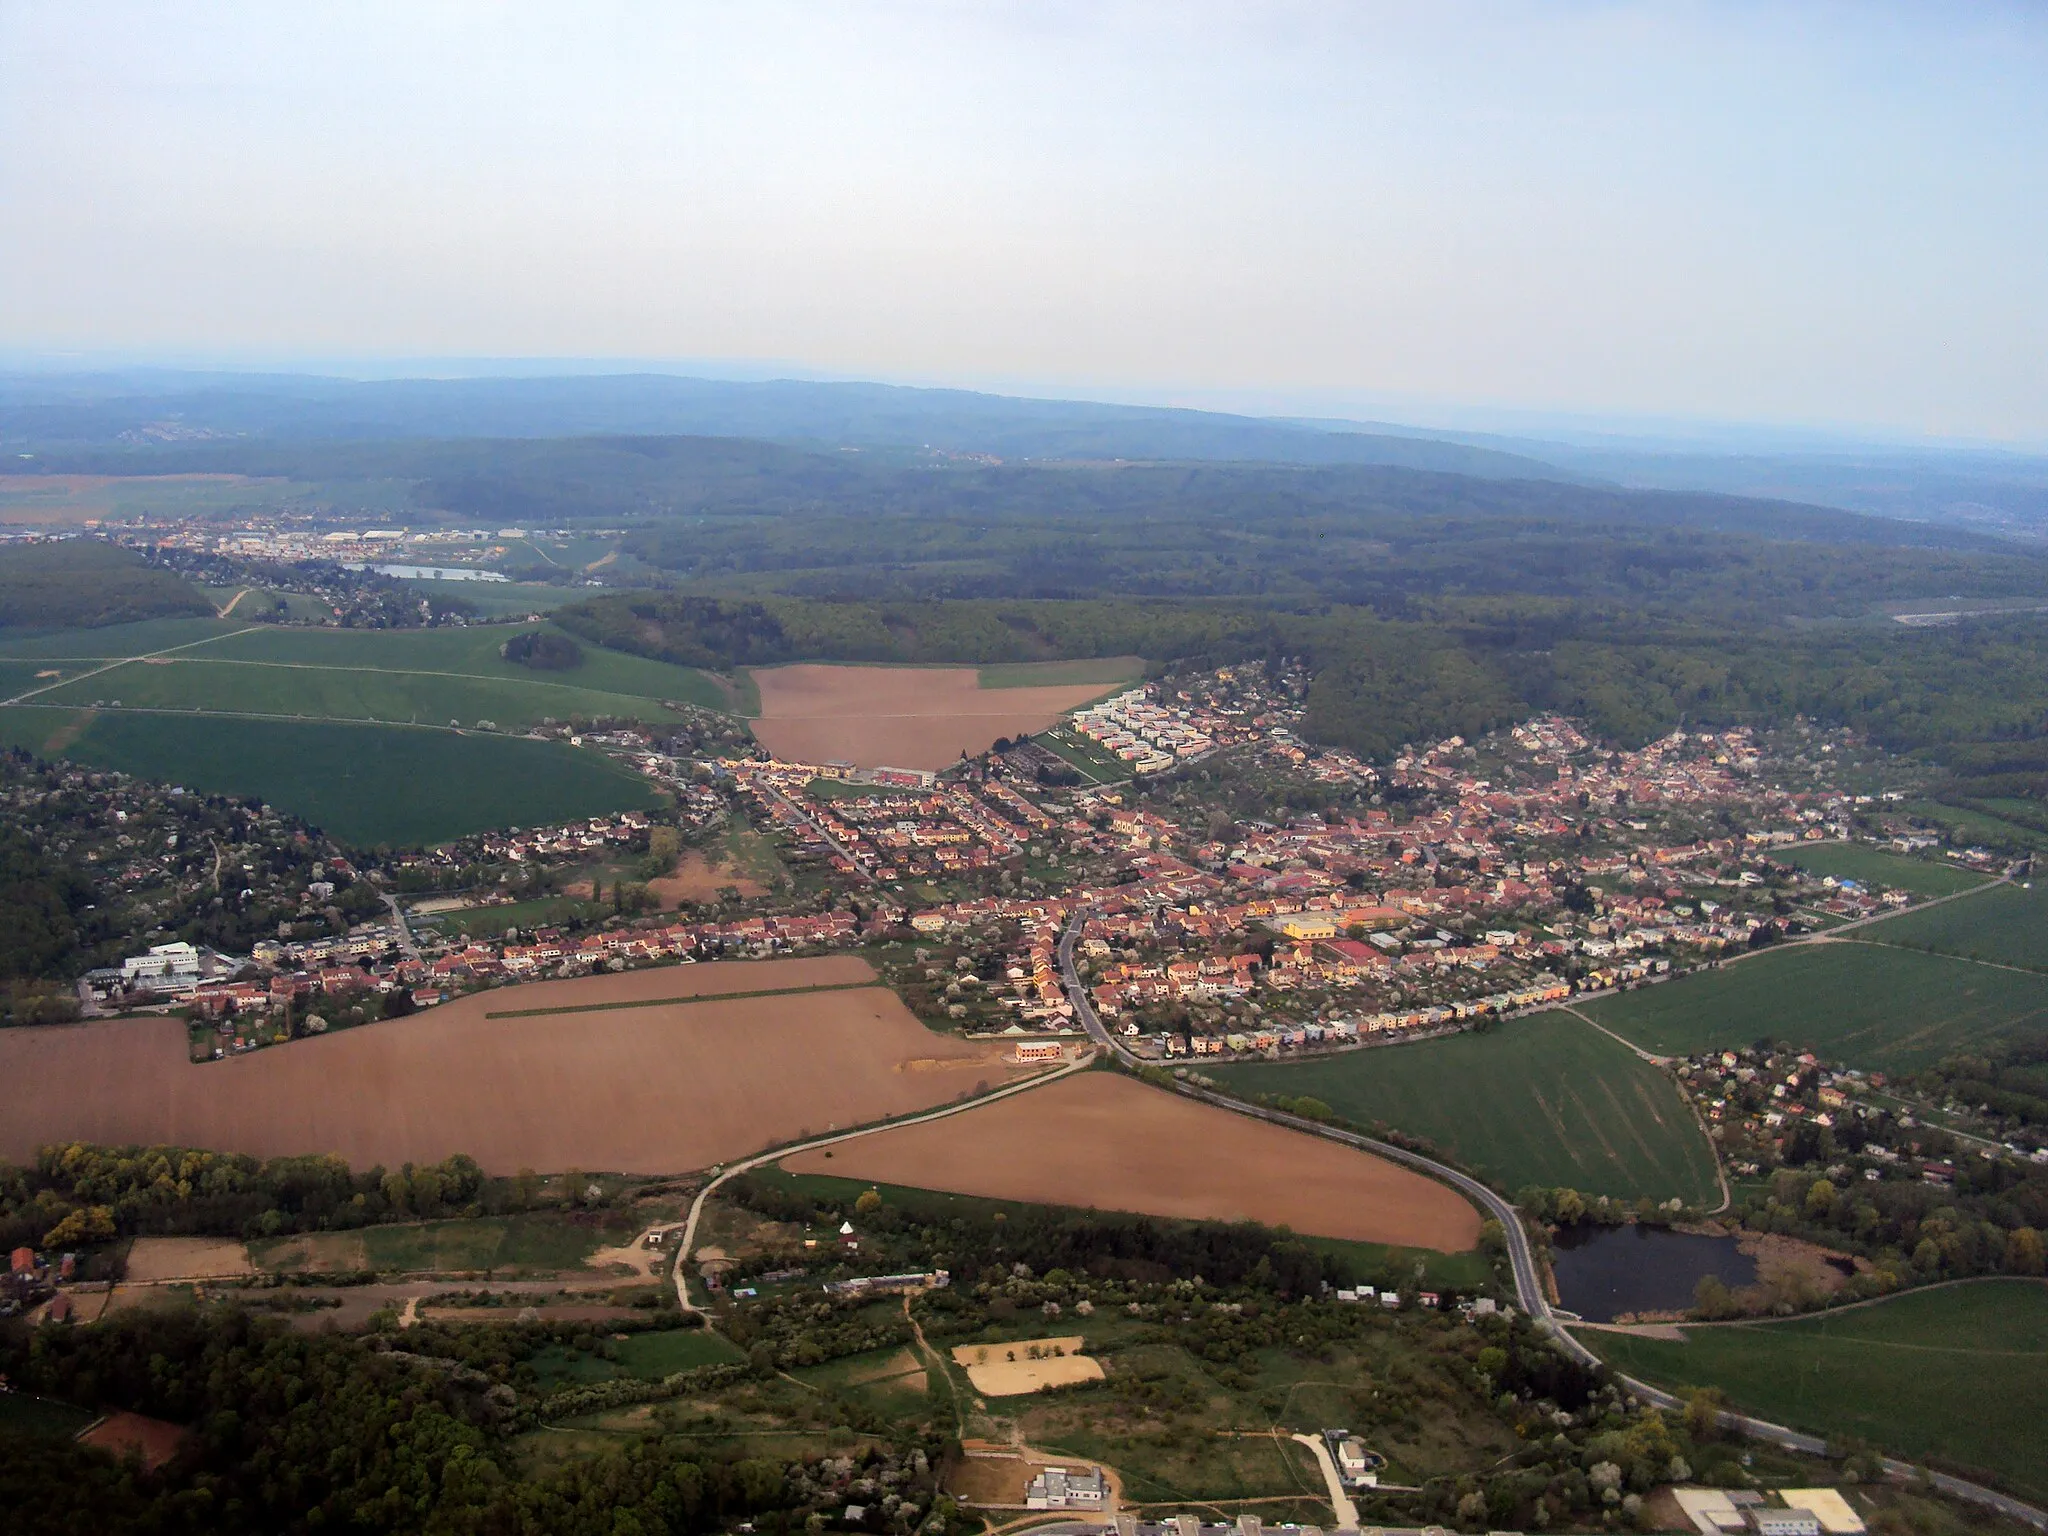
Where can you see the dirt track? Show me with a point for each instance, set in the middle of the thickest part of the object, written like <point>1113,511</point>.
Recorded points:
<point>1106,1141</point>
<point>898,717</point>
<point>651,1089</point>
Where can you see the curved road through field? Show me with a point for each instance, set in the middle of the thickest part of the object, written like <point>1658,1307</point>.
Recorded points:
<point>1529,1289</point>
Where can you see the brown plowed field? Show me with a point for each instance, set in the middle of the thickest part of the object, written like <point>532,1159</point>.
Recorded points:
<point>899,717</point>
<point>1105,1141</point>
<point>658,1088</point>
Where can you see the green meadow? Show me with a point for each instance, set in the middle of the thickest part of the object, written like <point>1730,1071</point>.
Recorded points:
<point>1957,1375</point>
<point>366,784</point>
<point>392,675</point>
<point>2008,926</point>
<point>1105,671</point>
<point>1863,1004</point>
<point>1543,1100</point>
<point>1883,869</point>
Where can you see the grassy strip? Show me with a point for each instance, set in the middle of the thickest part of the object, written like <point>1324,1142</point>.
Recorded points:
<point>665,1002</point>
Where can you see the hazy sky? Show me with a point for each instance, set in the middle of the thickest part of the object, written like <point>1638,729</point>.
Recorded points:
<point>1768,212</point>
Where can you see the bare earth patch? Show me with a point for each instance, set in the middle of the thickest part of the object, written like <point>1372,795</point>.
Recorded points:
<point>1101,1140</point>
<point>1025,1365</point>
<point>122,1434</point>
<point>659,1088</point>
<point>187,1258</point>
<point>698,878</point>
<point>898,717</point>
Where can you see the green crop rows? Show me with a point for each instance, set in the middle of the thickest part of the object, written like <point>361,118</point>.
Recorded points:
<point>1545,1100</point>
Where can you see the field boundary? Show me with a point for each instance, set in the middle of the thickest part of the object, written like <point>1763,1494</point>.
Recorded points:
<point>701,997</point>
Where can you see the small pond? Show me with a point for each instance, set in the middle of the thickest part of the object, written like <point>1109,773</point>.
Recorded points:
<point>1607,1272</point>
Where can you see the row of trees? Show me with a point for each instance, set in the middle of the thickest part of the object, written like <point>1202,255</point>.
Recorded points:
<point>79,1193</point>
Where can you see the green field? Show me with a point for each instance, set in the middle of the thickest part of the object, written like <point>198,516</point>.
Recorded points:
<point>1980,826</point>
<point>535,1240</point>
<point>112,639</point>
<point>648,1356</point>
<point>1881,869</point>
<point>489,922</point>
<point>23,1414</point>
<point>366,784</point>
<point>1862,1004</point>
<point>1095,763</point>
<point>494,599</point>
<point>2008,926</point>
<point>1543,1100</point>
<point>1107,671</point>
<point>406,676</point>
<point>1957,1375</point>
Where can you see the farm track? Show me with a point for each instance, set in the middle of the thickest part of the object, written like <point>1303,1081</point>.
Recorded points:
<point>109,663</point>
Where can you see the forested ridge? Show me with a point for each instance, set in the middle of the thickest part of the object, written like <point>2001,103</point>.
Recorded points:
<point>79,583</point>
<point>1426,602</point>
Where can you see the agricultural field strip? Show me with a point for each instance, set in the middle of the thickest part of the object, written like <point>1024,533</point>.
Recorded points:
<point>183,712</point>
<point>109,663</point>
<point>1996,965</point>
<point>325,666</point>
<point>664,1002</point>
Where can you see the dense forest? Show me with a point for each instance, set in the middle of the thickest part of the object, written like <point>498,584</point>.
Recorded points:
<point>77,583</point>
<point>1977,692</point>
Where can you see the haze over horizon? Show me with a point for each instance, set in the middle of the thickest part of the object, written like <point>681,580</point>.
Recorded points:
<point>1806,216</point>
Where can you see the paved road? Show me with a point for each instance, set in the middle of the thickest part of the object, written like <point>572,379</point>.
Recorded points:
<point>816,826</point>
<point>405,938</point>
<point>1529,1290</point>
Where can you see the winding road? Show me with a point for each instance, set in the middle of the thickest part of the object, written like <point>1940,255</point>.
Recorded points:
<point>1529,1289</point>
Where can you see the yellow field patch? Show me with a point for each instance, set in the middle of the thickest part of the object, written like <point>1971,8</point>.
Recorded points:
<point>1025,1365</point>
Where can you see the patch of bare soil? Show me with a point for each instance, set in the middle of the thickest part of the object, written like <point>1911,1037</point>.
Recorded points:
<point>1106,1141</point>
<point>990,1477</point>
<point>151,1441</point>
<point>1025,1365</point>
<point>186,1258</point>
<point>551,1075</point>
<point>898,717</point>
<point>698,877</point>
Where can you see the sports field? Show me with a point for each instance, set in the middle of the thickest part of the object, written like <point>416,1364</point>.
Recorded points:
<point>1957,1374</point>
<point>1110,1142</point>
<point>654,1071</point>
<point>2008,926</point>
<point>1881,869</point>
<point>1862,1004</point>
<point>366,784</point>
<point>900,717</point>
<point>414,676</point>
<point>1544,1100</point>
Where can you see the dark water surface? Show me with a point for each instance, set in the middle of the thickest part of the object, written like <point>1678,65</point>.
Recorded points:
<point>1606,1272</point>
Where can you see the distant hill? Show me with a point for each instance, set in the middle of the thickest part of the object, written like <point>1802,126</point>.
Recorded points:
<point>147,407</point>
<point>81,583</point>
